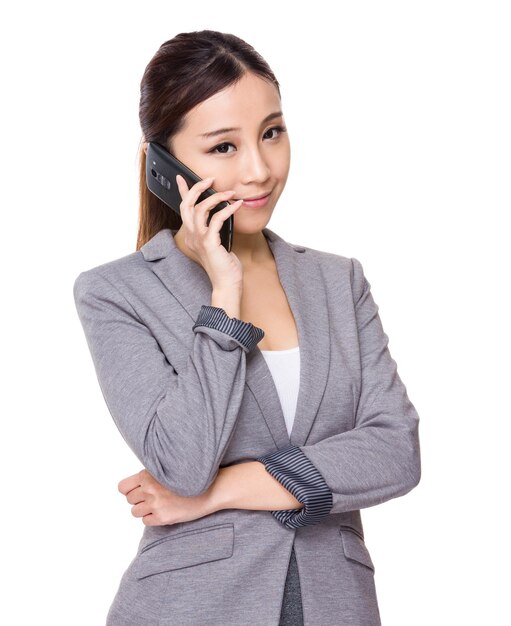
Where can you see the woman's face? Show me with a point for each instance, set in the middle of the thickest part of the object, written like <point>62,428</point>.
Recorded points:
<point>252,160</point>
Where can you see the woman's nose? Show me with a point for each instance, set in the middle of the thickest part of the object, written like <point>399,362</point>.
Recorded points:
<point>254,167</point>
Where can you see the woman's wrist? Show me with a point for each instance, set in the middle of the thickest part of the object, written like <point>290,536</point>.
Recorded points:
<point>213,496</point>
<point>229,300</point>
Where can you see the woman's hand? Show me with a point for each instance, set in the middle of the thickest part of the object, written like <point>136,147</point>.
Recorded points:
<point>223,268</point>
<point>157,505</point>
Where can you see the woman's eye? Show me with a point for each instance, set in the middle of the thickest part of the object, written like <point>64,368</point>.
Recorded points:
<point>221,145</point>
<point>280,130</point>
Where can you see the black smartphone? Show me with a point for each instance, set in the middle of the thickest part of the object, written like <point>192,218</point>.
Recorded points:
<point>161,170</point>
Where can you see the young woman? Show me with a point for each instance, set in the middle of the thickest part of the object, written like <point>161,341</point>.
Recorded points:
<point>255,386</point>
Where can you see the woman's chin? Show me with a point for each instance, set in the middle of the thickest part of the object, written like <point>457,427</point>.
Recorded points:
<point>252,223</point>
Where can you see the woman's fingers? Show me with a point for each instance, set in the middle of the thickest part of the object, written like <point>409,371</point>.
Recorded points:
<point>129,483</point>
<point>202,234</point>
<point>197,213</point>
<point>190,196</point>
<point>202,209</point>
<point>139,510</point>
<point>136,495</point>
<point>199,188</point>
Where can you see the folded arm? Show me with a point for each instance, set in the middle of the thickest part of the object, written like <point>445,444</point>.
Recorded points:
<point>379,458</point>
<point>178,426</point>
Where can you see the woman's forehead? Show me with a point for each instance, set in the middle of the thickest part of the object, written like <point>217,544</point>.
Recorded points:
<point>245,103</point>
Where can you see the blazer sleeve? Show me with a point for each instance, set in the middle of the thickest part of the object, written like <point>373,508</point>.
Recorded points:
<point>177,425</point>
<point>378,459</point>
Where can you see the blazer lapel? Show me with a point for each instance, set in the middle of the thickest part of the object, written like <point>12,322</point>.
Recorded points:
<point>187,280</point>
<point>302,281</point>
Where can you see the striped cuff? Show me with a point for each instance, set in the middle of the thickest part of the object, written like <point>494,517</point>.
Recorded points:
<point>300,476</point>
<point>245,334</point>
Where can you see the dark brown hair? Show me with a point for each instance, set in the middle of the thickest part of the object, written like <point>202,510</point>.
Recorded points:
<point>185,71</point>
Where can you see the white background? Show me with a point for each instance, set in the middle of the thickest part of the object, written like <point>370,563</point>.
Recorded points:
<point>399,120</point>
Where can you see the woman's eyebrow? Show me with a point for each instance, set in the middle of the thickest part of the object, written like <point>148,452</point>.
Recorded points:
<point>221,131</point>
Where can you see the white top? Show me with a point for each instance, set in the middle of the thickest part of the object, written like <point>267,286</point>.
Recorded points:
<point>284,366</point>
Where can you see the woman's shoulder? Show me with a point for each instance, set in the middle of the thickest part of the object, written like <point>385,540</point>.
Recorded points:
<point>337,269</point>
<point>113,272</point>
<point>333,262</point>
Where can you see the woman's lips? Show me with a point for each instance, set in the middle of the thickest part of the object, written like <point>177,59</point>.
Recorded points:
<point>255,204</point>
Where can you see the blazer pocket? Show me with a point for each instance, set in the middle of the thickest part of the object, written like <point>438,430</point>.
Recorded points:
<point>354,547</point>
<point>185,550</point>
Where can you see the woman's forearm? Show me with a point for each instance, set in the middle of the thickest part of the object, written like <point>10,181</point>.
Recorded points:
<point>249,486</point>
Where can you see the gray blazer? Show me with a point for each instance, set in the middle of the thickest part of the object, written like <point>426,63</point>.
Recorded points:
<point>190,391</point>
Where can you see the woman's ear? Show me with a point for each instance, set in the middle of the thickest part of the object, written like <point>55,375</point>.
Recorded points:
<point>144,145</point>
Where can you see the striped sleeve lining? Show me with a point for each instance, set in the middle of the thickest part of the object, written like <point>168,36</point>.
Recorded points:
<point>299,476</point>
<point>245,333</point>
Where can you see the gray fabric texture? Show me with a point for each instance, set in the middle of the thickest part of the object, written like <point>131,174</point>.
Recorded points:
<point>189,402</point>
